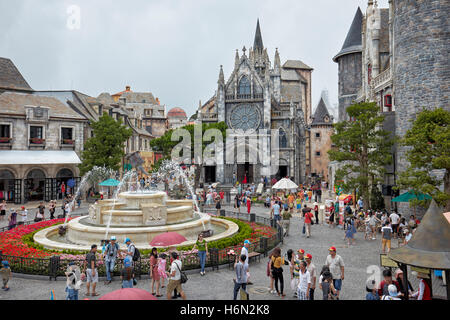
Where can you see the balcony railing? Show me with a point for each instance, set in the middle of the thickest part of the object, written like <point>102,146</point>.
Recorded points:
<point>244,96</point>
<point>381,79</point>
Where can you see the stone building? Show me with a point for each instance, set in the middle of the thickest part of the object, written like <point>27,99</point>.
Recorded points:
<point>402,64</point>
<point>176,118</point>
<point>321,131</point>
<point>258,97</point>
<point>40,140</point>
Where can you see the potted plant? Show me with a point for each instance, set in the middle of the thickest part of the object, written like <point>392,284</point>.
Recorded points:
<point>37,140</point>
<point>68,141</point>
<point>5,139</point>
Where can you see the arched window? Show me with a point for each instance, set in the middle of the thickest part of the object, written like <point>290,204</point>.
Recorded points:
<point>283,139</point>
<point>64,173</point>
<point>244,86</point>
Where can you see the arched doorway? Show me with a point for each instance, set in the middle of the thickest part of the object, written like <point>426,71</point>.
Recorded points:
<point>283,169</point>
<point>62,177</point>
<point>7,186</point>
<point>34,185</point>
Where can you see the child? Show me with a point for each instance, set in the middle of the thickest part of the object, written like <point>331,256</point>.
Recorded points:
<point>162,268</point>
<point>127,275</point>
<point>5,271</point>
<point>73,282</point>
<point>372,292</point>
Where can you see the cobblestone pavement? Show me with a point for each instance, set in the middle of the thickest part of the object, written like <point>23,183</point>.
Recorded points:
<point>219,284</point>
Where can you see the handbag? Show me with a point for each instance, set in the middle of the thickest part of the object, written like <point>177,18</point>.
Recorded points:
<point>134,282</point>
<point>183,276</point>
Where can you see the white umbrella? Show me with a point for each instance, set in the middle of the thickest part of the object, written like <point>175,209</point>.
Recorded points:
<point>285,184</point>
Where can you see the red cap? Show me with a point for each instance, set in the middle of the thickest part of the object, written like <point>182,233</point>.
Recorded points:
<point>308,256</point>
<point>301,251</point>
<point>332,249</point>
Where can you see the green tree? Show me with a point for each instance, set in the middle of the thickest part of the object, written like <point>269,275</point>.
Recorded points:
<point>428,143</point>
<point>363,149</point>
<point>165,144</point>
<point>105,148</point>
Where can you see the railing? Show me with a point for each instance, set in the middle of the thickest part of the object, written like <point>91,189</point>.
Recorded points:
<point>55,267</point>
<point>380,79</point>
<point>247,96</point>
<point>209,116</point>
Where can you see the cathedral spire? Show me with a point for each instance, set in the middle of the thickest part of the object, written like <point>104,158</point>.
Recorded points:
<point>277,62</point>
<point>236,59</point>
<point>258,43</point>
<point>221,76</point>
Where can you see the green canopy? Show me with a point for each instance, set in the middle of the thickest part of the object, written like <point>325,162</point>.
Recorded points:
<point>411,195</point>
<point>110,183</point>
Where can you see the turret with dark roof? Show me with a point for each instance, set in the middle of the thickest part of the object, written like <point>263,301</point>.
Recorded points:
<point>321,115</point>
<point>353,41</point>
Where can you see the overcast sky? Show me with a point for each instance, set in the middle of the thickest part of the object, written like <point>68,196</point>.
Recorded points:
<point>172,48</point>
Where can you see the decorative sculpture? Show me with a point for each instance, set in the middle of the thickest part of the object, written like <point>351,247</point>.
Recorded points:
<point>136,162</point>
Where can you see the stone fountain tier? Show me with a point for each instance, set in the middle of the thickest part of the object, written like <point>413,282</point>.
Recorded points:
<point>81,236</point>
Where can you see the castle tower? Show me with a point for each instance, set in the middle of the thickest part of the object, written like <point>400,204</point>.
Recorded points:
<point>420,58</point>
<point>349,60</point>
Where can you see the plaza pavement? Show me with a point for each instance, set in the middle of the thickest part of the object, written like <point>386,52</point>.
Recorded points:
<point>218,285</point>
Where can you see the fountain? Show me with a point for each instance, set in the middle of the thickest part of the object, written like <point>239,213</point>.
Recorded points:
<point>139,215</point>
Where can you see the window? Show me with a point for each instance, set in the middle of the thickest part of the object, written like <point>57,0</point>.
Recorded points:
<point>5,131</point>
<point>283,139</point>
<point>317,134</point>
<point>244,86</point>
<point>66,135</point>
<point>35,132</point>
<point>317,153</point>
<point>388,102</point>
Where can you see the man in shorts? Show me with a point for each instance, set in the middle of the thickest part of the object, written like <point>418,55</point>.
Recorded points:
<point>91,271</point>
<point>336,265</point>
<point>175,277</point>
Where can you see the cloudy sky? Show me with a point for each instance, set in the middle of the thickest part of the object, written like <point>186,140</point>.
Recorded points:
<point>172,48</point>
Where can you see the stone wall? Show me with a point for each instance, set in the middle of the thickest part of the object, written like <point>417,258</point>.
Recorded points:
<point>350,77</point>
<point>319,164</point>
<point>421,71</point>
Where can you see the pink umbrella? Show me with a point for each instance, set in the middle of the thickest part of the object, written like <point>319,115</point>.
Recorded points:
<point>129,294</point>
<point>167,239</point>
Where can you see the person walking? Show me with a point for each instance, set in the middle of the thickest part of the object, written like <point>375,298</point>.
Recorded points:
<point>6,274</point>
<point>51,209</point>
<point>372,220</point>
<point>41,213</point>
<point>386,237</point>
<point>336,265</point>
<point>350,232</point>
<point>202,246</point>
<point>12,219</point>
<point>316,212</point>
<point>244,251</point>
<point>110,256</point>
<point>304,282</point>
<point>308,221</point>
<point>127,273</point>
<point>218,205</point>
<point>3,210</point>
<point>277,263</point>
<point>175,277</point>
<point>90,268</point>
<point>154,274</point>
<point>241,269</point>
<point>162,268</point>
<point>237,202</point>
<point>23,215</point>
<point>249,204</point>
<point>326,284</point>
<point>395,222</point>
<point>275,212</point>
<point>312,272</point>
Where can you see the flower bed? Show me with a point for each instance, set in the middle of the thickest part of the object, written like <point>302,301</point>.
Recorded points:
<point>25,256</point>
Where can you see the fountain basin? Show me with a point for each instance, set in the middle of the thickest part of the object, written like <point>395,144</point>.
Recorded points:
<point>81,237</point>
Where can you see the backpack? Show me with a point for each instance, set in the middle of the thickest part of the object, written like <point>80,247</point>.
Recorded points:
<point>137,254</point>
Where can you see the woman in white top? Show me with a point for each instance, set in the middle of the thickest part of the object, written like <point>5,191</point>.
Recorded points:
<point>372,220</point>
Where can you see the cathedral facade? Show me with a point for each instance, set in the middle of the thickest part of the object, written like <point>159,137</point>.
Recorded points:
<point>261,97</point>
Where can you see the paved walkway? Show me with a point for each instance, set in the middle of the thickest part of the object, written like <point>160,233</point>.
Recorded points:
<point>219,284</point>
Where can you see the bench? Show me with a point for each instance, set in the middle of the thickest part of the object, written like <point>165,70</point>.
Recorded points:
<point>254,255</point>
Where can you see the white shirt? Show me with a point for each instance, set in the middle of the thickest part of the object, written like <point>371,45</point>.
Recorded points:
<point>24,215</point>
<point>394,218</point>
<point>303,280</point>
<point>245,251</point>
<point>335,265</point>
<point>174,267</point>
<point>312,272</point>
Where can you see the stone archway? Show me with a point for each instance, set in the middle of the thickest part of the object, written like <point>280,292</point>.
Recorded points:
<point>34,185</point>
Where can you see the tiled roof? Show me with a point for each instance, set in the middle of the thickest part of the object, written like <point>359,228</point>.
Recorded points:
<point>14,103</point>
<point>10,76</point>
<point>353,41</point>
<point>296,64</point>
<point>320,114</point>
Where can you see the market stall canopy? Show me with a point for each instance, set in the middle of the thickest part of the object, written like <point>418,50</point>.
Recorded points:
<point>21,157</point>
<point>285,183</point>
<point>429,245</point>
<point>109,183</point>
<point>411,195</point>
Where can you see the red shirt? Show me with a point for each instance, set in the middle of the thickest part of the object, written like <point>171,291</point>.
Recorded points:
<point>308,216</point>
<point>221,193</point>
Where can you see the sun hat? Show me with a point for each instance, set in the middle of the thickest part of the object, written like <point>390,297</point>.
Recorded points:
<point>127,239</point>
<point>113,238</point>
<point>397,272</point>
<point>392,290</point>
<point>308,256</point>
<point>332,249</point>
<point>247,242</point>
